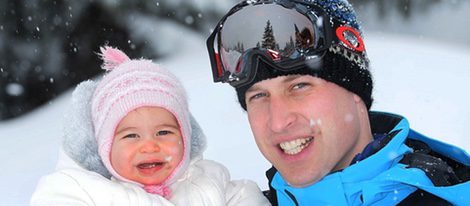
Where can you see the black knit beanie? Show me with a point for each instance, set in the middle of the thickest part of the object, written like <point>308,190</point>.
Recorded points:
<point>339,64</point>
<point>335,68</point>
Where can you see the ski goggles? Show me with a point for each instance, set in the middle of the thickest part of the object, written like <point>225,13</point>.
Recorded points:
<point>284,34</point>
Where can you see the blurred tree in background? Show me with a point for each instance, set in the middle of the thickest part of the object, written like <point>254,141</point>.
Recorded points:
<point>405,7</point>
<point>47,47</point>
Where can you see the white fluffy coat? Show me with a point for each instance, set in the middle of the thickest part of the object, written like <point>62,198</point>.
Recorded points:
<point>81,178</point>
<point>205,183</point>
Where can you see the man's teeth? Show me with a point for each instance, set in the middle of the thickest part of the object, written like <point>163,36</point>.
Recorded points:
<point>295,146</point>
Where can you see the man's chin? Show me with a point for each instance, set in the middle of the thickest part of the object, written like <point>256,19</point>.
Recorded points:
<point>294,180</point>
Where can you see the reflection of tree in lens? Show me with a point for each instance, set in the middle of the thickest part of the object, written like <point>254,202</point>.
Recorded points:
<point>239,47</point>
<point>289,48</point>
<point>268,38</point>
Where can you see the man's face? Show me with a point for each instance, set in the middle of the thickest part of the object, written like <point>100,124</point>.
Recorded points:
<point>305,126</point>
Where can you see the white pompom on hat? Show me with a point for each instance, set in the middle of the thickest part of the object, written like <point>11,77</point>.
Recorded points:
<point>128,85</point>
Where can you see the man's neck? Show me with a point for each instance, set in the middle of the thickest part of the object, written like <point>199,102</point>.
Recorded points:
<point>365,137</point>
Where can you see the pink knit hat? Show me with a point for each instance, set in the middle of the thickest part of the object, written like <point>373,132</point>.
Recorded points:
<point>128,85</point>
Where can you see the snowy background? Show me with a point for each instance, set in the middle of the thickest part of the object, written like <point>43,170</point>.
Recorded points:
<point>421,78</point>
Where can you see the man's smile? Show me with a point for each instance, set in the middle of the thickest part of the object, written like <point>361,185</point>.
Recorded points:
<point>295,146</point>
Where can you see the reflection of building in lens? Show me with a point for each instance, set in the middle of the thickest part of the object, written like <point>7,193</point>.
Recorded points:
<point>303,39</point>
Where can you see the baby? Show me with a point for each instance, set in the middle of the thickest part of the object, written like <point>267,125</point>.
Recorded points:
<point>146,148</point>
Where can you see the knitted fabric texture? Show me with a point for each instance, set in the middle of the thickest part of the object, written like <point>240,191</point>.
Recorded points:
<point>131,84</point>
<point>79,142</point>
<point>339,64</point>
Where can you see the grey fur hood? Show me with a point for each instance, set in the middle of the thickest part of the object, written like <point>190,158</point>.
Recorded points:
<point>79,142</point>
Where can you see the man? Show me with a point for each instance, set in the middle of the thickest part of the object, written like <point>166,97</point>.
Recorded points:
<point>301,72</point>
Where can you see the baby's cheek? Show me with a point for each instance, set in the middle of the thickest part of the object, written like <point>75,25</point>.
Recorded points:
<point>168,158</point>
<point>176,150</point>
<point>172,145</point>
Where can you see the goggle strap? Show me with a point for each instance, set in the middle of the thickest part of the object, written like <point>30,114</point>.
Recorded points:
<point>217,73</point>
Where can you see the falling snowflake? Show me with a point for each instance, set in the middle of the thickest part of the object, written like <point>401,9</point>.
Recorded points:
<point>14,89</point>
<point>189,20</point>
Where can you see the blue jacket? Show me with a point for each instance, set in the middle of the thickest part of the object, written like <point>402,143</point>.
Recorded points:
<point>381,178</point>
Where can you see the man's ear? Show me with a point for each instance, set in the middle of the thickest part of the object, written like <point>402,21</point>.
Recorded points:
<point>357,99</point>
<point>359,103</point>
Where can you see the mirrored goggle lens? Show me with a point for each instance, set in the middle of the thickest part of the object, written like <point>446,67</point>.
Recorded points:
<point>281,34</point>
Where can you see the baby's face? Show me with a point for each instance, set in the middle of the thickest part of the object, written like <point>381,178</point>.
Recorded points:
<point>147,145</point>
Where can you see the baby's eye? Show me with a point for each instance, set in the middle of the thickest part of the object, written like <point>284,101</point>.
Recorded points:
<point>131,136</point>
<point>163,132</point>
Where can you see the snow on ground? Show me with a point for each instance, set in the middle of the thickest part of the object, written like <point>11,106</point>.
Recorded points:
<point>423,80</point>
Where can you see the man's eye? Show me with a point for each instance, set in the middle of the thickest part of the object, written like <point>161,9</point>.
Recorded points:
<point>257,96</point>
<point>163,132</point>
<point>300,85</point>
<point>131,136</point>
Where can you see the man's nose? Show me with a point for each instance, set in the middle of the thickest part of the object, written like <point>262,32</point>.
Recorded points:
<point>281,114</point>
